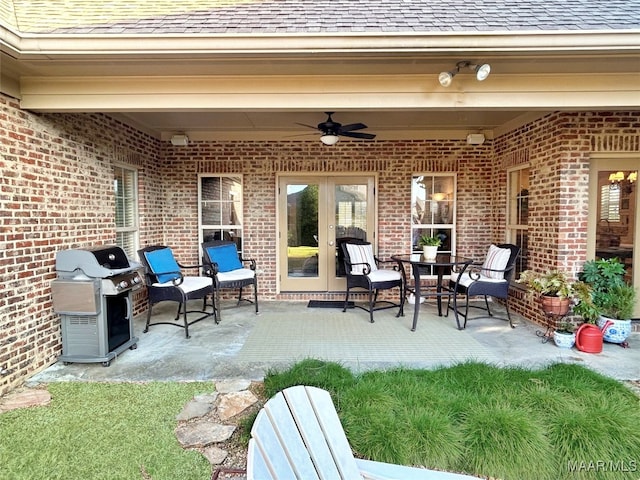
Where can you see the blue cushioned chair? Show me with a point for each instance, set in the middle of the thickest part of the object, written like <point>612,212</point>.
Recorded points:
<point>166,282</point>
<point>226,267</point>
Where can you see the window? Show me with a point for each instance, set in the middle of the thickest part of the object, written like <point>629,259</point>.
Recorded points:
<point>433,209</point>
<point>220,208</point>
<point>518,213</point>
<point>125,185</point>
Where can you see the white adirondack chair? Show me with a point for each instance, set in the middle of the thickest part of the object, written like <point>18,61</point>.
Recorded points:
<point>298,435</point>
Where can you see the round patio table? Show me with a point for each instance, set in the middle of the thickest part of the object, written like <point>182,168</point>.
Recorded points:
<point>442,265</point>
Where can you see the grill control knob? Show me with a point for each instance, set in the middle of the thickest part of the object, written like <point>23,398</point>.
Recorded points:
<point>136,279</point>
<point>123,284</point>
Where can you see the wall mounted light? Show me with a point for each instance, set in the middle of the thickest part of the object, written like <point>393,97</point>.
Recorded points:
<point>475,139</point>
<point>482,71</point>
<point>180,140</point>
<point>329,138</point>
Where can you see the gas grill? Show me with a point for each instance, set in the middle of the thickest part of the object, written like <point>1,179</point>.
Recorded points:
<point>93,296</point>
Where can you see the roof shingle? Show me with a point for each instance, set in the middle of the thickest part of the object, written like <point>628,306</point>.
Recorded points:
<point>312,16</point>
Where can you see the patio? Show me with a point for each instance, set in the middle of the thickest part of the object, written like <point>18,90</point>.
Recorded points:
<point>247,346</point>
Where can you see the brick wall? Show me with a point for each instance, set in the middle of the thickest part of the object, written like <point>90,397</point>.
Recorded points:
<point>558,148</point>
<point>56,193</point>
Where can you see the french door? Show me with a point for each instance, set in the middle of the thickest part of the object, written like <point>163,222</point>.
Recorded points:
<point>316,215</point>
<point>613,214</point>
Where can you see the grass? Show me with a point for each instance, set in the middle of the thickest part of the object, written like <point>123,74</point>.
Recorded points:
<point>561,422</point>
<point>101,431</point>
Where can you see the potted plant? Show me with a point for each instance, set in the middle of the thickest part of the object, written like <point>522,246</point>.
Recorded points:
<point>553,289</point>
<point>613,298</point>
<point>429,246</point>
<point>564,336</point>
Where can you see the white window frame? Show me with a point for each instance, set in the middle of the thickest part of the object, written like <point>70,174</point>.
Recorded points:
<point>515,204</point>
<point>449,201</point>
<point>129,200</point>
<point>228,228</point>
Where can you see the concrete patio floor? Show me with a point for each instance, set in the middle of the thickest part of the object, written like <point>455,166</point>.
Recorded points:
<point>245,345</point>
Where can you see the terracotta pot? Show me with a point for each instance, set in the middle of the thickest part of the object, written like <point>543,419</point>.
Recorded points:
<point>555,305</point>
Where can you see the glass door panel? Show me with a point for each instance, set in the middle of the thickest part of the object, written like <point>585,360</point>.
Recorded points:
<point>302,230</point>
<point>317,214</point>
<point>616,217</point>
<point>613,214</point>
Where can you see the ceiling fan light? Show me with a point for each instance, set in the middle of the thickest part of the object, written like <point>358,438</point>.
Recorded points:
<point>482,71</point>
<point>445,78</point>
<point>329,139</point>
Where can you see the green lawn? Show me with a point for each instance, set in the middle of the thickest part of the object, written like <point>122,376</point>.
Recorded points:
<point>94,431</point>
<point>561,422</point>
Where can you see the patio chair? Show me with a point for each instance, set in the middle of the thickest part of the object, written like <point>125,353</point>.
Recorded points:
<point>490,278</point>
<point>166,282</point>
<point>362,271</point>
<point>298,435</point>
<point>226,267</point>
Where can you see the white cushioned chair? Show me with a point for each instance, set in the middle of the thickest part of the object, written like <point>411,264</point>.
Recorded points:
<point>491,278</point>
<point>362,271</point>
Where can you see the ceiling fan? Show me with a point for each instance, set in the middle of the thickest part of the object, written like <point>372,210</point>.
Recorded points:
<point>332,131</point>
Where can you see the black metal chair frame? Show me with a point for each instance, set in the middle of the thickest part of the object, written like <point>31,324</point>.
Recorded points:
<point>173,293</point>
<point>486,289</point>
<point>364,282</point>
<point>211,269</point>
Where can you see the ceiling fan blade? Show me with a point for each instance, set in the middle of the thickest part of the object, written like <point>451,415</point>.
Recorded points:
<point>366,136</point>
<point>308,126</point>
<point>352,126</point>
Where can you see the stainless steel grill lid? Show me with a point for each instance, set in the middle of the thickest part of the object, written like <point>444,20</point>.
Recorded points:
<point>98,262</point>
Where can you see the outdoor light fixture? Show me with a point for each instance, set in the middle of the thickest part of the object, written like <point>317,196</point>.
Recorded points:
<point>475,139</point>
<point>329,138</point>
<point>180,140</point>
<point>482,71</point>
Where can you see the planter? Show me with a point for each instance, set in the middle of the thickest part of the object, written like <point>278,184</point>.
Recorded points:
<point>564,339</point>
<point>589,338</point>
<point>614,331</point>
<point>555,305</point>
<point>429,252</point>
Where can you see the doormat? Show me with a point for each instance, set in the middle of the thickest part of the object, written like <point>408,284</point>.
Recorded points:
<point>328,304</point>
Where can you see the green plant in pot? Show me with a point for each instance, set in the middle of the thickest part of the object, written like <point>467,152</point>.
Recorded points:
<point>429,246</point>
<point>613,298</point>
<point>564,336</point>
<point>553,289</point>
<point>429,241</point>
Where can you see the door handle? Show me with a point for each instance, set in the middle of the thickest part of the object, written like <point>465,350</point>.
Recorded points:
<point>331,244</point>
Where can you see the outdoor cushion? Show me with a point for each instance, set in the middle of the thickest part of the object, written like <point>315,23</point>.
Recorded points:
<point>383,275</point>
<point>467,279</point>
<point>235,275</point>
<point>497,259</point>
<point>189,284</point>
<point>163,264</point>
<point>360,254</point>
<point>226,256</point>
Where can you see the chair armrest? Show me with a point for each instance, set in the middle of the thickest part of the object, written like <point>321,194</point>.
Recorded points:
<point>176,281</point>
<point>365,271</point>
<point>251,261</point>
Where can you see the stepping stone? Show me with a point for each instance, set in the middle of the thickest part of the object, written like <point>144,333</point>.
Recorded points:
<point>232,404</point>
<point>23,398</point>
<point>201,434</point>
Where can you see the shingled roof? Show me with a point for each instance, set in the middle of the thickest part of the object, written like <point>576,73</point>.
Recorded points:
<point>87,17</point>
